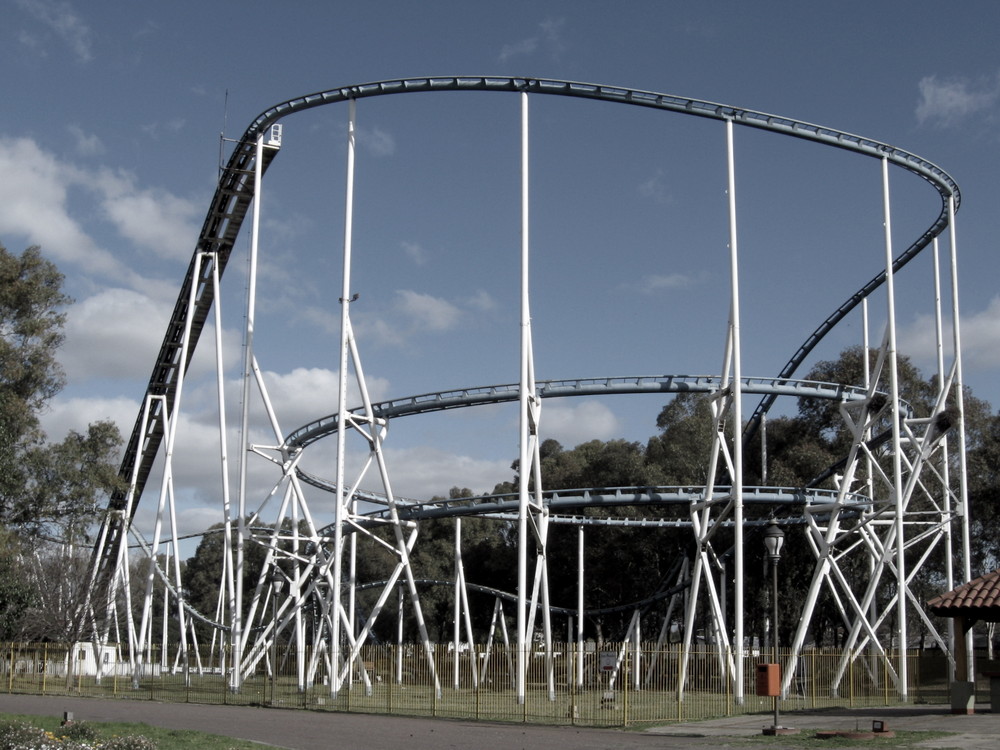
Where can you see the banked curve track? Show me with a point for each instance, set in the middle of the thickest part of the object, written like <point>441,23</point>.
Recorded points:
<point>235,191</point>
<point>632,384</point>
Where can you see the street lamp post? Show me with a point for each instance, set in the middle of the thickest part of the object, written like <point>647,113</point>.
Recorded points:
<point>774,537</point>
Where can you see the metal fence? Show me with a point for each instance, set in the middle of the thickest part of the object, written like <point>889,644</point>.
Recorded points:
<point>607,686</point>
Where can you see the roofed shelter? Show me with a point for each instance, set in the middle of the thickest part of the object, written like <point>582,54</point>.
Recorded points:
<point>972,602</point>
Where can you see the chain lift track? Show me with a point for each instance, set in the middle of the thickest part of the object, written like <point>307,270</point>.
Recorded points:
<point>829,517</point>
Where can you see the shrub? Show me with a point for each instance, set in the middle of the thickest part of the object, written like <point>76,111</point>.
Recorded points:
<point>79,731</point>
<point>19,735</point>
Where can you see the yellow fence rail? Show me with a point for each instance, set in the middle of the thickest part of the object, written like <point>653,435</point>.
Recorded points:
<point>610,685</point>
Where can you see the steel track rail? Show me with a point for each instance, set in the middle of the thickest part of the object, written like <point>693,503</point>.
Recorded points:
<point>560,501</point>
<point>495,394</point>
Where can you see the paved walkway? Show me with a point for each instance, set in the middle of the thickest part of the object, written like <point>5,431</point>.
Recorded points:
<point>312,730</point>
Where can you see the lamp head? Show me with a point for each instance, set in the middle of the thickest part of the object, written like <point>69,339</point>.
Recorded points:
<point>774,537</point>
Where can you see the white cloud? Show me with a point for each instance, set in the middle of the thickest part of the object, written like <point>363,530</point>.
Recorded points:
<point>307,393</point>
<point>980,333</point>
<point>521,48</point>
<point>65,414</point>
<point>424,471</point>
<point>552,30</point>
<point>657,282</point>
<point>151,218</point>
<point>33,203</point>
<point>578,423</point>
<point>376,141</point>
<point>549,39</point>
<point>655,189</point>
<point>154,129</point>
<point>414,252</point>
<point>327,321</point>
<point>32,42</point>
<point>947,103</point>
<point>62,20</point>
<point>113,334</point>
<point>481,301</point>
<point>34,196</point>
<point>411,314</point>
<point>87,144</point>
<point>303,394</point>
<point>426,312</point>
<point>382,331</point>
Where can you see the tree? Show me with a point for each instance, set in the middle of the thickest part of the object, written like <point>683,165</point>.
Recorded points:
<point>31,323</point>
<point>681,450</point>
<point>17,593</point>
<point>48,492</point>
<point>66,483</point>
<point>983,468</point>
<point>821,416</point>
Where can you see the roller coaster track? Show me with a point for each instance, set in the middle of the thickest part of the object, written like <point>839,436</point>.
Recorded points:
<point>234,194</point>
<point>494,394</point>
<point>560,501</point>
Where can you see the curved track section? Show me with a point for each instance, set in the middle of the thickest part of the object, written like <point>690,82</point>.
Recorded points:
<point>615,497</point>
<point>496,394</point>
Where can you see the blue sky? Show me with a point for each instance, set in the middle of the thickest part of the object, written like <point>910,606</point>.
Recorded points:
<point>109,149</point>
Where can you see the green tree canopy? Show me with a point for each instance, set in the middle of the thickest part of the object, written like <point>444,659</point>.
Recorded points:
<point>48,491</point>
<point>31,323</point>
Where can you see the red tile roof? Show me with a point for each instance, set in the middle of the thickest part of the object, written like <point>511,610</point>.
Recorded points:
<point>978,599</point>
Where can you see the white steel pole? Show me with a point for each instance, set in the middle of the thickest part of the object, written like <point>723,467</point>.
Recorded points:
<point>236,681</point>
<point>579,605</point>
<point>866,435</point>
<point>960,405</point>
<point>949,566</point>
<point>228,587</point>
<point>399,636</point>
<point>457,609</point>
<point>897,467</point>
<point>524,442</point>
<point>737,389</point>
<point>945,469</point>
<point>343,496</point>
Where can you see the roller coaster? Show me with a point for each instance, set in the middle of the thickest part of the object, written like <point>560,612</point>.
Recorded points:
<point>891,508</point>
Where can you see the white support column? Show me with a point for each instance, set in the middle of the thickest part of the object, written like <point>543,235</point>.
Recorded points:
<point>526,395</point>
<point>343,496</point>
<point>897,468</point>
<point>959,384</point>
<point>399,636</point>
<point>236,680</point>
<point>579,604</point>
<point>227,588</point>
<point>946,509</point>
<point>457,608</point>
<point>737,423</point>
